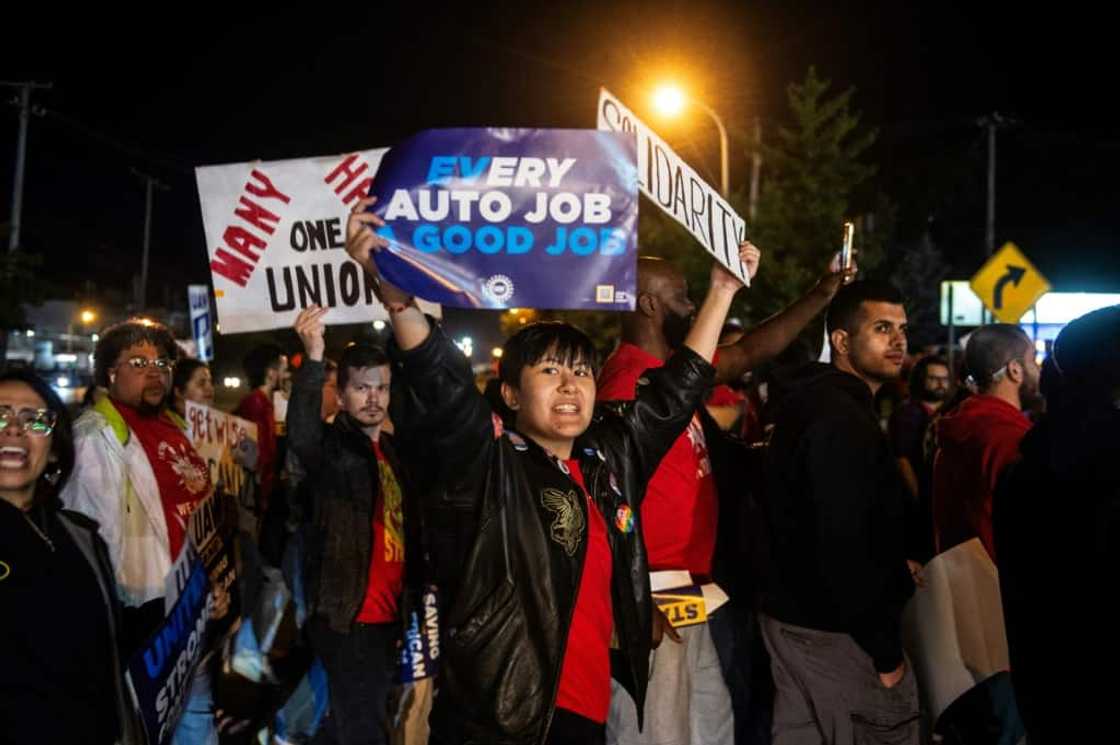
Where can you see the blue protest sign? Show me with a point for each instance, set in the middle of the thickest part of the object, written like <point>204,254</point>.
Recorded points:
<point>160,672</point>
<point>420,646</point>
<point>198,297</point>
<point>497,218</point>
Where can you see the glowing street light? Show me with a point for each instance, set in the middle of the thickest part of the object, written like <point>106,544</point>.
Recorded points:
<point>88,316</point>
<point>670,100</point>
<point>496,352</point>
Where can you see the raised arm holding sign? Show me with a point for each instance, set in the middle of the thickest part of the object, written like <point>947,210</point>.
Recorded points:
<point>677,189</point>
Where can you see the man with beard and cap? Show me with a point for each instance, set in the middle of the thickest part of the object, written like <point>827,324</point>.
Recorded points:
<point>355,548</point>
<point>929,388</point>
<point>689,699</point>
<point>978,439</point>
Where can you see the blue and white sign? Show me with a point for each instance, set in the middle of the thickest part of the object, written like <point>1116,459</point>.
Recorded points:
<point>160,672</point>
<point>497,218</point>
<point>420,646</point>
<point>198,297</point>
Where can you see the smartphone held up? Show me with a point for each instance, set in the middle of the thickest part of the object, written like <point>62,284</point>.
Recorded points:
<point>846,248</point>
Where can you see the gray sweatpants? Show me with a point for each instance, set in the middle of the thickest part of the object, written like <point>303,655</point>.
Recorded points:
<point>687,700</point>
<point>828,692</point>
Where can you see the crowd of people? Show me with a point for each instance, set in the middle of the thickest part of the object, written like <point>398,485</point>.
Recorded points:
<point>550,511</point>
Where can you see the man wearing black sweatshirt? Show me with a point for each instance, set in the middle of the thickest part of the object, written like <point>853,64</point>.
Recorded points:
<point>839,578</point>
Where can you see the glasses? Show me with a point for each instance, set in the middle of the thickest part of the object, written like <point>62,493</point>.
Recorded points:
<point>161,364</point>
<point>35,421</point>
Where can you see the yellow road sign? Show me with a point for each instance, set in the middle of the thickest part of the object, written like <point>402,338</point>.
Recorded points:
<point>1009,284</point>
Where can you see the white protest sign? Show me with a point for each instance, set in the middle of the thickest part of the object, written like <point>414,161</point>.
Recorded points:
<point>953,627</point>
<point>276,238</point>
<point>677,189</point>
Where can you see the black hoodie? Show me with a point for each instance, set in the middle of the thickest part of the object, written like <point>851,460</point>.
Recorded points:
<point>835,506</point>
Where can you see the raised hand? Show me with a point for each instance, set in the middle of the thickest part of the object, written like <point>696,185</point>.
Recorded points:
<point>311,329</point>
<point>362,242</point>
<point>722,279</point>
<point>830,283</point>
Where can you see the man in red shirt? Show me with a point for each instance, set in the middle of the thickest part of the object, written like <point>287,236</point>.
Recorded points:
<point>355,548</point>
<point>266,367</point>
<point>140,478</point>
<point>688,699</point>
<point>978,439</point>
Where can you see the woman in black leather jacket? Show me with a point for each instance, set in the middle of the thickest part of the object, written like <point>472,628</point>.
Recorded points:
<point>557,562</point>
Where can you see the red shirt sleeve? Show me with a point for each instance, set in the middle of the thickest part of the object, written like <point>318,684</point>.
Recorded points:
<point>258,409</point>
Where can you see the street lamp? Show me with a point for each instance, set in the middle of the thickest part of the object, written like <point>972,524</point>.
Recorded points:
<point>88,316</point>
<point>670,100</point>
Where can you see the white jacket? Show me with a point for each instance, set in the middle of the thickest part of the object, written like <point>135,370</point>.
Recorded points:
<point>114,484</point>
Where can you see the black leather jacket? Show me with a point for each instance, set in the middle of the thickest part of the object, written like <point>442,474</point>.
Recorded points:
<point>506,633</point>
<point>342,480</point>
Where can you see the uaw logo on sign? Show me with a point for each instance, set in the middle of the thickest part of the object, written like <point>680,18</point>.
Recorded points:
<point>420,649</point>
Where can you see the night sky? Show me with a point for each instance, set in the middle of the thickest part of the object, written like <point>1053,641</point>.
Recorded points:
<point>200,86</point>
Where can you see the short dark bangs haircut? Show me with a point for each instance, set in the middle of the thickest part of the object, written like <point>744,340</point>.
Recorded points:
<point>531,344</point>
<point>358,356</point>
<point>124,335</point>
<point>184,370</point>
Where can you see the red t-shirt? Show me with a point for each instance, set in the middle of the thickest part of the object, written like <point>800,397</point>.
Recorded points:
<point>681,510</point>
<point>257,408</point>
<point>386,560</point>
<point>585,678</point>
<point>182,476</point>
<point>725,395</point>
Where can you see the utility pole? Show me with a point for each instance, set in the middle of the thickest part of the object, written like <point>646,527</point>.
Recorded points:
<point>992,122</point>
<point>151,183</point>
<point>756,169</point>
<point>24,103</point>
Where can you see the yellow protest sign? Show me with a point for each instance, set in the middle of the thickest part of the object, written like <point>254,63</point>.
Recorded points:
<point>683,606</point>
<point>1009,284</point>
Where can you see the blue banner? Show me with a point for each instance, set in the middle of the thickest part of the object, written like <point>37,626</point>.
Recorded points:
<point>198,297</point>
<point>161,671</point>
<point>420,646</point>
<point>498,218</point>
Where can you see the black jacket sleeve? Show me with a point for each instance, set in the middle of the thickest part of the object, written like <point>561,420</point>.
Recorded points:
<point>438,411</point>
<point>305,424</point>
<point>665,400</point>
